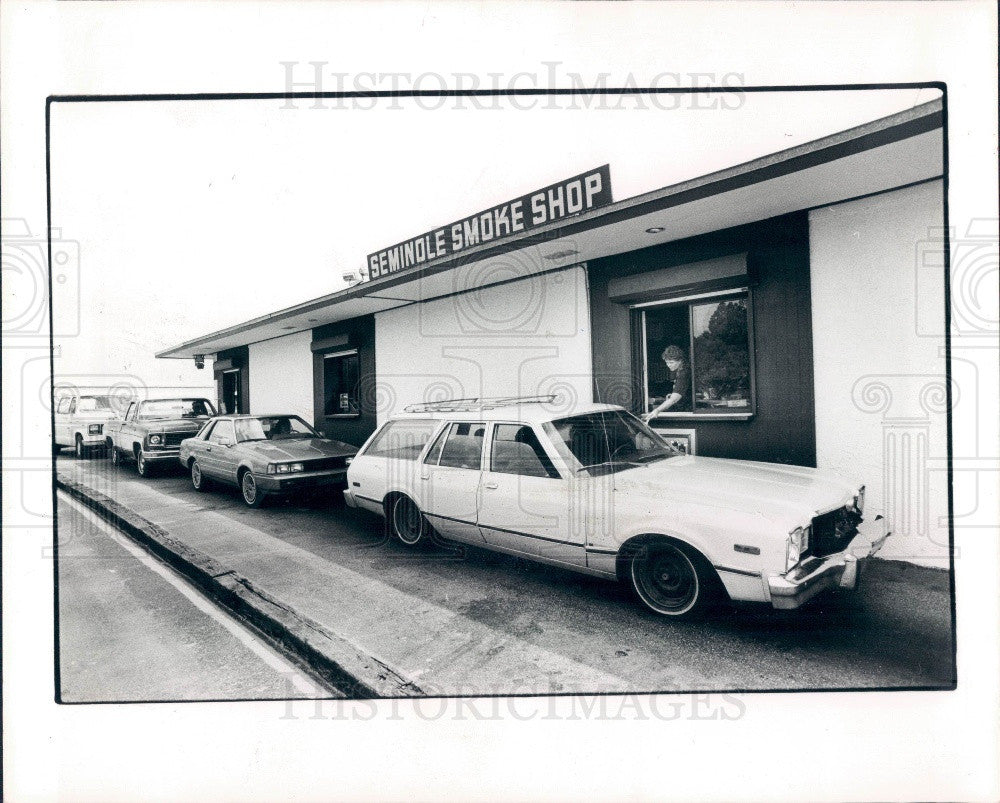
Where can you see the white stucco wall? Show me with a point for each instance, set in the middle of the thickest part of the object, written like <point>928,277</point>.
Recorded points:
<point>526,337</point>
<point>878,339</point>
<point>281,376</point>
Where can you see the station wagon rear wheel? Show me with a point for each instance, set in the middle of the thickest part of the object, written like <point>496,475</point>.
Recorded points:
<point>407,522</point>
<point>252,495</point>
<point>667,580</point>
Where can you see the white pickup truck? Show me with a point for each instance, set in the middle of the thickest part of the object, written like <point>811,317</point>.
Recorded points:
<point>152,430</point>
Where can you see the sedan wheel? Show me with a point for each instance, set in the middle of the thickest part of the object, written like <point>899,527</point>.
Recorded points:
<point>197,478</point>
<point>252,495</point>
<point>408,523</point>
<point>666,580</point>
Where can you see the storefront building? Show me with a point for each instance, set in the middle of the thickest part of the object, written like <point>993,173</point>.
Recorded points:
<point>795,289</point>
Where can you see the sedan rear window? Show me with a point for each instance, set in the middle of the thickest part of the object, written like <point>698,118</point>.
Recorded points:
<point>402,440</point>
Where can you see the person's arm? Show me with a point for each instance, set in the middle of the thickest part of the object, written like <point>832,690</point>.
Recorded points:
<point>666,404</point>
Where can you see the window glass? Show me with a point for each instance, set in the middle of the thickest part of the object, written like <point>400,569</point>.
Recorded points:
<point>402,440</point>
<point>176,408</point>
<point>516,450</point>
<point>223,433</point>
<point>464,447</point>
<point>606,441</point>
<point>435,451</point>
<point>340,385</point>
<point>273,428</point>
<point>63,406</point>
<point>206,431</point>
<point>701,352</point>
<point>91,403</point>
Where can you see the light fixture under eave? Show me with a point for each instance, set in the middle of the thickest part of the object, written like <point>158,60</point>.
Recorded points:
<point>562,254</point>
<point>655,229</point>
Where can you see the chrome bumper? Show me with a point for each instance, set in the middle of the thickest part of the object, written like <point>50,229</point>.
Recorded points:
<point>840,571</point>
<point>162,454</point>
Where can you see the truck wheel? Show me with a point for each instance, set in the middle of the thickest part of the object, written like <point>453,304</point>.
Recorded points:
<point>252,495</point>
<point>142,465</point>
<point>670,580</point>
<point>198,480</point>
<point>117,456</point>
<point>78,448</point>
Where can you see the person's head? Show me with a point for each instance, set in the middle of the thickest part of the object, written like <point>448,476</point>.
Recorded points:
<point>673,357</point>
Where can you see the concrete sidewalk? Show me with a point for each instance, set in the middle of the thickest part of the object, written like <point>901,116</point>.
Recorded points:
<point>365,637</point>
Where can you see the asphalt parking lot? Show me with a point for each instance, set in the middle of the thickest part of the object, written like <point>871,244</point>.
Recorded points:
<point>581,634</point>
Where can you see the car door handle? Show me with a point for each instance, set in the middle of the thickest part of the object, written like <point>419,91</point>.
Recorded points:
<point>492,486</point>
<point>425,476</point>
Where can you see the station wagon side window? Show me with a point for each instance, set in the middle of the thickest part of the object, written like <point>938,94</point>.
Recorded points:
<point>435,451</point>
<point>403,439</point>
<point>464,446</point>
<point>517,450</point>
<point>63,406</point>
<point>223,433</point>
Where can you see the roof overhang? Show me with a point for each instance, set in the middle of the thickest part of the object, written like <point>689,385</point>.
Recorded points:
<point>895,151</point>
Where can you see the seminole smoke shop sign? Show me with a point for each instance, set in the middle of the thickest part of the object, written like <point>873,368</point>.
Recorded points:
<point>570,197</point>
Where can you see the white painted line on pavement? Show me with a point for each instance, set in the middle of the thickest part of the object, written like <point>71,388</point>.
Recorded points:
<point>248,639</point>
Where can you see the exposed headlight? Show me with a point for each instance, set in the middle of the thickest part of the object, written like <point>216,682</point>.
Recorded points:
<point>859,500</point>
<point>94,429</point>
<point>284,468</point>
<point>798,544</point>
<point>155,440</point>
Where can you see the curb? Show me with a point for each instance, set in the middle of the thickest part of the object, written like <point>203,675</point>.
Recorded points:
<point>341,665</point>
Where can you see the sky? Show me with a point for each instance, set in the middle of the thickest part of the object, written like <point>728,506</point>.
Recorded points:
<point>184,217</point>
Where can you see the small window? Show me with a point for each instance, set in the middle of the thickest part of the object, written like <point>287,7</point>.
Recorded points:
<point>63,406</point>
<point>434,455</point>
<point>206,431</point>
<point>341,373</point>
<point>402,440</point>
<point>516,450</point>
<point>700,351</point>
<point>464,447</point>
<point>223,433</point>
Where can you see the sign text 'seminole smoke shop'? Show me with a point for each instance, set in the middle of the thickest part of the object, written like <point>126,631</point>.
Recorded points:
<point>753,313</point>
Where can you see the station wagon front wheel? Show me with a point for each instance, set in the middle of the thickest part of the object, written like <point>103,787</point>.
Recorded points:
<point>666,579</point>
<point>407,522</point>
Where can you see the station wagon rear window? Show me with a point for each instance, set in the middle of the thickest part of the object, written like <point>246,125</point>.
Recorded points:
<point>402,440</point>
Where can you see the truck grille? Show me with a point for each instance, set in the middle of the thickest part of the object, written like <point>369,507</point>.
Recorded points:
<point>325,464</point>
<point>833,531</point>
<point>175,438</point>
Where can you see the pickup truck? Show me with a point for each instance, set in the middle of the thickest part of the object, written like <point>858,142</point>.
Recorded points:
<point>80,421</point>
<point>152,430</point>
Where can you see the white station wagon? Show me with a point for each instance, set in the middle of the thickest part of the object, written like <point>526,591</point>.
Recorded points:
<point>596,490</point>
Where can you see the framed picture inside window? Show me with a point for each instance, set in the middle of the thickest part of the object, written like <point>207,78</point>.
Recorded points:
<point>683,439</point>
<point>698,352</point>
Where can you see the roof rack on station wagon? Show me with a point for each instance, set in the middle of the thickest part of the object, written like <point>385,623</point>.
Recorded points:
<point>477,403</point>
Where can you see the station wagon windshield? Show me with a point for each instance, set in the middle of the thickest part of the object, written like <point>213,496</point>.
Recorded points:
<point>608,440</point>
<point>273,428</point>
<point>176,408</point>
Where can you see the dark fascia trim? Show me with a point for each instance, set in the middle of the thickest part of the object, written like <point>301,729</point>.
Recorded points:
<point>885,131</point>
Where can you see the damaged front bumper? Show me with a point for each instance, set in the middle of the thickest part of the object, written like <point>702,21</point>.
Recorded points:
<point>840,571</point>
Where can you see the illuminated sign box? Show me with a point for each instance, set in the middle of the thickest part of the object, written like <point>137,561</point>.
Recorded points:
<point>564,199</point>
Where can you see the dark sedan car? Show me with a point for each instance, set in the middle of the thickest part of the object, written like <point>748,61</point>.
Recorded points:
<point>265,455</point>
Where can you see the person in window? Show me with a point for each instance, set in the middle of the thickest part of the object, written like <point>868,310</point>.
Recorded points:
<point>676,390</point>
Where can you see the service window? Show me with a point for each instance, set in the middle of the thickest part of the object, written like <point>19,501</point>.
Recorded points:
<point>702,350</point>
<point>223,433</point>
<point>63,406</point>
<point>464,446</point>
<point>341,374</point>
<point>402,440</point>
<point>516,450</point>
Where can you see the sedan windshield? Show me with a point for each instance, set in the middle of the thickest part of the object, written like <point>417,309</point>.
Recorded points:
<point>273,428</point>
<point>608,440</point>
<point>176,408</point>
